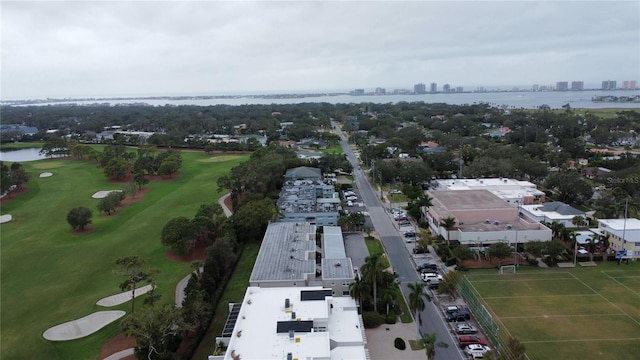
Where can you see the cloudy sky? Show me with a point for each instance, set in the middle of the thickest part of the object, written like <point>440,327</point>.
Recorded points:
<point>126,48</point>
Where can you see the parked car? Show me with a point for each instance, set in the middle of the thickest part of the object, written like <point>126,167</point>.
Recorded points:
<point>394,191</point>
<point>453,308</point>
<point>349,203</point>
<point>466,340</point>
<point>434,284</point>
<point>466,328</point>
<point>431,276</point>
<point>404,222</point>
<point>352,197</point>
<point>476,351</point>
<point>420,250</point>
<point>459,316</point>
<point>427,266</point>
<point>410,234</point>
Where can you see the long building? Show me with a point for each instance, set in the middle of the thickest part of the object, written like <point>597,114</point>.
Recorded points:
<point>290,323</point>
<point>481,218</point>
<point>510,190</point>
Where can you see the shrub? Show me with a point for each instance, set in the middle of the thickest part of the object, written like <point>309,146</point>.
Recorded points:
<point>532,261</point>
<point>392,318</point>
<point>399,344</point>
<point>372,319</point>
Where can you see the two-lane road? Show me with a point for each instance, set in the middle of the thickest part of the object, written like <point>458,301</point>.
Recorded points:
<point>398,255</point>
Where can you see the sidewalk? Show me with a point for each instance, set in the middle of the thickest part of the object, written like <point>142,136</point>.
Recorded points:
<point>380,342</point>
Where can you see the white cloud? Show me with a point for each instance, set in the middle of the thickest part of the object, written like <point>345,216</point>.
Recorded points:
<point>57,49</point>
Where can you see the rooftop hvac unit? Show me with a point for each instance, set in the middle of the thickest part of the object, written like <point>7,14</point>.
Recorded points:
<point>496,222</point>
<point>287,303</point>
<point>508,227</point>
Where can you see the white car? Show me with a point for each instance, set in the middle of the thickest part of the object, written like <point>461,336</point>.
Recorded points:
<point>430,276</point>
<point>349,203</point>
<point>352,198</point>
<point>465,328</point>
<point>476,351</point>
<point>394,191</point>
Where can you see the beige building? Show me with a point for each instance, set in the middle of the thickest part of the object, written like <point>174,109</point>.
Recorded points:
<point>482,218</point>
<point>624,234</point>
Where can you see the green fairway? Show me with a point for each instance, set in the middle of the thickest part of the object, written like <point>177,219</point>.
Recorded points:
<point>590,313</point>
<point>51,275</point>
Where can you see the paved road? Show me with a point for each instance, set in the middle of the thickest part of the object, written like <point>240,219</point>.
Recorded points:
<point>399,256</point>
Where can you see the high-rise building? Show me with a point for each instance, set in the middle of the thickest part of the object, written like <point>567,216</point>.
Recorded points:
<point>446,88</point>
<point>380,91</point>
<point>629,84</point>
<point>577,85</point>
<point>459,89</point>
<point>419,88</point>
<point>562,86</point>
<point>434,87</point>
<point>609,85</point>
<point>535,87</point>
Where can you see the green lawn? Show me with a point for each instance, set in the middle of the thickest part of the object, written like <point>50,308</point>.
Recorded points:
<point>51,275</point>
<point>590,312</point>
<point>20,145</point>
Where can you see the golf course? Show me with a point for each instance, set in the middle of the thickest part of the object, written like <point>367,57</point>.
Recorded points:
<point>51,274</point>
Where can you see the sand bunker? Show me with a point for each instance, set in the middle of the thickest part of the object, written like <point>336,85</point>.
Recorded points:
<point>46,174</point>
<point>123,297</point>
<point>82,327</point>
<point>5,218</point>
<point>103,194</point>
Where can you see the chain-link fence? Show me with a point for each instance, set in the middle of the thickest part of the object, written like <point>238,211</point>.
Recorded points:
<point>483,317</point>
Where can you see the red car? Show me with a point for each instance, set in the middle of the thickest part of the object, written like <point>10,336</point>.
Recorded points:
<point>470,339</point>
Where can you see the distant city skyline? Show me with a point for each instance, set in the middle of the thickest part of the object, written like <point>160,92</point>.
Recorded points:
<point>55,49</point>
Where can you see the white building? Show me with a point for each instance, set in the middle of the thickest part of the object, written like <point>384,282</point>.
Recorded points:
<point>296,323</point>
<point>553,211</point>
<point>624,234</point>
<point>510,190</point>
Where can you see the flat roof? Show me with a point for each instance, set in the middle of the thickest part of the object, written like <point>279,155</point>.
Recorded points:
<point>467,200</point>
<point>621,224</point>
<point>287,253</point>
<point>337,268</point>
<point>335,321</point>
<point>502,187</point>
<point>301,196</point>
<point>333,243</point>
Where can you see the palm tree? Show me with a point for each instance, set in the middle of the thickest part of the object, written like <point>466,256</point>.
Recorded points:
<point>359,290</point>
<point>448,223</point>
<point>577,220</point>
<point>556,228</point>
<point>429,343</point>
<point>388,297</point>
<point>416,299</point>
<point>371,272</point>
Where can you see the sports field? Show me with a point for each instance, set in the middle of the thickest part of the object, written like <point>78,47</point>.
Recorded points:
<point>579,313</point>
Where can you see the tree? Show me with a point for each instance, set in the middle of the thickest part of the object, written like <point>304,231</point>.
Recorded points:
<point>417,298</point>
<point>18,176</point>
<point>360,290</point>
<point>132,188</point>
<point>116,168</point>
<point>463,253</point>
<point>388,297</point>
<point>177,233</point>
<point>250,220</point>
<point>156,330</point>
<point>578,220</point>
<point>449,284</point>
<point>109,203</point>
<point>372,272</point>
<point>79,217</point>
<point>168,167</point>
<point>571,187</point>
<point>448,223</point>
<point>500,250</point>
<point>429,343</point>
<point>556,229</point>
<point>134,269</point>
<point>5,178</point>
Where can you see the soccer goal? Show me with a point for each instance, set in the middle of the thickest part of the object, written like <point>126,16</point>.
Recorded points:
<point>508,269</point>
